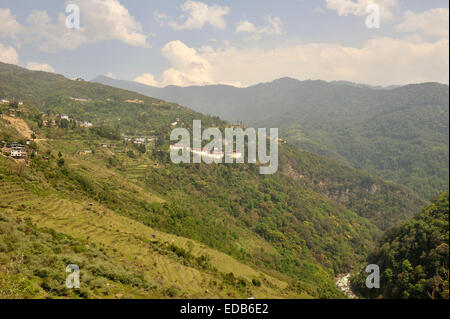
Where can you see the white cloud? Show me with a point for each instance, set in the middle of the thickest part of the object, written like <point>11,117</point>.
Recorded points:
<point>160,17</point>
<point>359,7</point>
<point>34,66</point>
<point>8,55</point>
<point>100,20</point>
<point>380,61</point>
<point>199,14</point>
<point>108,19</point>
<point>147,79</point>
<point>9,27</point>
<point>188,68</point>
<point>274,27</point>
<point>246,26</point>
<point>433,23</point>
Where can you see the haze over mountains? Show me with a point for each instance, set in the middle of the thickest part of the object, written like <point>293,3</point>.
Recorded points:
<point>150,228</point>
<point>397,133</point>
<point>110,190</point>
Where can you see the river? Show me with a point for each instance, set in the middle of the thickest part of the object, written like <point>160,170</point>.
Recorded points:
<point>343,284</point>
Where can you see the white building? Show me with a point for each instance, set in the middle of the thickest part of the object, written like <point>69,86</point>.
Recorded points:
<point>139,140</point>
<point>79,99</point>
<point>16,153</point>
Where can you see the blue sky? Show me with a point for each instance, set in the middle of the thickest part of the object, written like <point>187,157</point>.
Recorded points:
<point>230,41</point>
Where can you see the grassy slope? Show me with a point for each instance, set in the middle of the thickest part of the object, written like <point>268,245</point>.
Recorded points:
<point>398,134</point>
<point>278,224</point>
<point>131,245</point>
<point>51,93</point>
<point>172,266</point>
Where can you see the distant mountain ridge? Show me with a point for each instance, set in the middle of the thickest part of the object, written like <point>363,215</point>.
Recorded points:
<point>303,225</point>
<point>397,133</point>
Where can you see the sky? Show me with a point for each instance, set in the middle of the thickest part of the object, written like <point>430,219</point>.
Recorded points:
<point>235,42</point>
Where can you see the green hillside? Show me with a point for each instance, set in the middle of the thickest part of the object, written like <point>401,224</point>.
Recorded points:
<point>173,230</point>
<point>399,134</point>
<point>414,257</point>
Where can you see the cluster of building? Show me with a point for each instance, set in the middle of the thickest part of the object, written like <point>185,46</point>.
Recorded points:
<point>16,150</point>
<point>78,99</point>
<point>68,118</point>
<point>6,101</point>
<point>139,140</point>
<point>85,124</point>
<point>203,152</point>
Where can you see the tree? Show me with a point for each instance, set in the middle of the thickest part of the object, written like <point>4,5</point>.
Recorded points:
<point>414,255</point>
<point>142,149</point>
<point>64,123</point>
<point>14,105</point>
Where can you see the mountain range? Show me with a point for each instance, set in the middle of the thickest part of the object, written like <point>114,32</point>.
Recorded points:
<point>139,225</point>
<point>399,133</point>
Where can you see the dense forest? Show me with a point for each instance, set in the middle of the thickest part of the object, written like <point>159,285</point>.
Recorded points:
<point>414,257</point>
<point>397,133</point>
<point>224,227</point>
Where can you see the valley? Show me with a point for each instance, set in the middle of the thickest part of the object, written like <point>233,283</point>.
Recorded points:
<point>397,133</point>
<point>106,196</point>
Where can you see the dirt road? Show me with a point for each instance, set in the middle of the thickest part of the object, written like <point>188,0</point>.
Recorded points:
<point>21,126</point>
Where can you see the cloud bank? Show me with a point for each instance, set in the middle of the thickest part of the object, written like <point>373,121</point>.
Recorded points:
<point>34,66</point>
<point>379,61</point>
<point>359,7</point>
<point>199,14</point>
<point>101,20</point>
<point>274,27</point>
<point>8,55</point>
<point>433,23</point>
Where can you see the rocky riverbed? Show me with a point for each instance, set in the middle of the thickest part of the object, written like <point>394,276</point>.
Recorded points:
<point>343,284</point>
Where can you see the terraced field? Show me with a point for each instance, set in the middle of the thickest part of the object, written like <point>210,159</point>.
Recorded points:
<point>140,247</point>
<point>135,172</point>
<point>14,196</point>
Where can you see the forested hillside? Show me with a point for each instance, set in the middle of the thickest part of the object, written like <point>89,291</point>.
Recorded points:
<point>414,257</point>
<point>399,133</point>
<point>237,232</point>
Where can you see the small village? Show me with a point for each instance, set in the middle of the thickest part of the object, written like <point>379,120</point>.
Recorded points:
<point>19,151</point>
<point>15,150</point>
<point>8,102</point>
<point>65,117</point>
<point>204,152</point>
